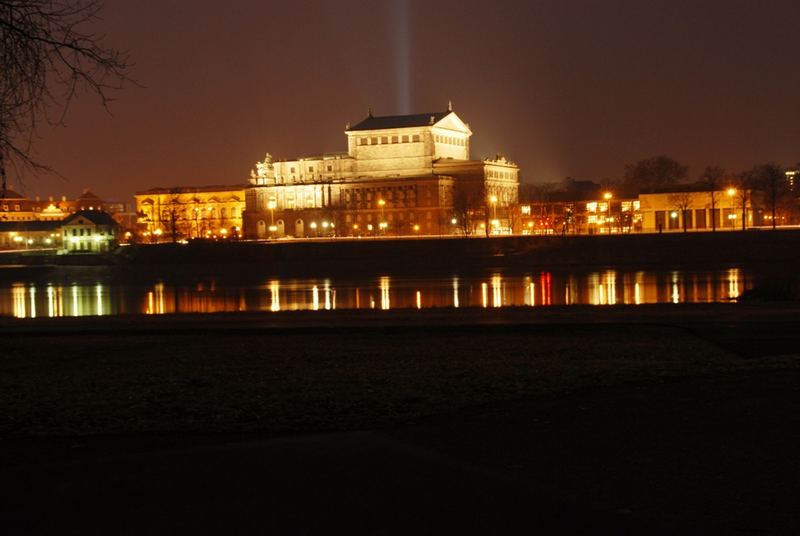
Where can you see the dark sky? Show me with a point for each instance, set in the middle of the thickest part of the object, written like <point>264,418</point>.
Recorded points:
<point>563,88</point>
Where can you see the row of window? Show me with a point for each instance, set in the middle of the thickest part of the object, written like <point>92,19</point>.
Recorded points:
<point>202,213</point>
<point>399,216</point>
<point>448,140</point>
<point>87,232</point>
<point>310,169</point>
<point>386,140</point>
<point>696,219</point>
<point>16,208</point>
<point>495,174</point>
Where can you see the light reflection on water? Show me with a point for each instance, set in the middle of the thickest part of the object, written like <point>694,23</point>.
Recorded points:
<point>609,287</point>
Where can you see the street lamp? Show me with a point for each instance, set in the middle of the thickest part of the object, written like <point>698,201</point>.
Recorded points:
<point>731,193</point>
<point>271,204</point>
<point>381,203</point>
<point>314,226</point>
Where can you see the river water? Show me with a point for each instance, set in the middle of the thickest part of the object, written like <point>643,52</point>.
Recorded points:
<point>26,296</point>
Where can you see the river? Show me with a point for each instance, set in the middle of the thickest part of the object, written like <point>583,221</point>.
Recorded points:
<point>28,296</point>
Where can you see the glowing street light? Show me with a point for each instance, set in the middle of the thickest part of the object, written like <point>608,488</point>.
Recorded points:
<point>382,204</point>
<point>314,226</point>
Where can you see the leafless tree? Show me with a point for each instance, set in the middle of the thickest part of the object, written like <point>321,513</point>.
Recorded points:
<point>771,179</point>
<point>682,202</point>
<point>48,56</point>
<point>469,207</point>
<point>712,177</point>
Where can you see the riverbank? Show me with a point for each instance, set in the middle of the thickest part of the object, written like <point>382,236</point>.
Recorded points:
<point>651,418</point>
<point>443,254</point>
<point>449,255</point>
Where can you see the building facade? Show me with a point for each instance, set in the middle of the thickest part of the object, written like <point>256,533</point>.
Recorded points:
<point>401,175</point>
<point>89,231</point>
<point>181,213</point>
<point>693,210</point>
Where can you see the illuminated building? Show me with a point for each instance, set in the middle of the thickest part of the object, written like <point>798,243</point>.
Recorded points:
<point>171,214</point>
<point>568,213</point>
<point>687,208</point>
<point>30,234</point>
<point>15,207</point>
<point>86,231</point>
<point>401,175</point>
<point>89,231</point>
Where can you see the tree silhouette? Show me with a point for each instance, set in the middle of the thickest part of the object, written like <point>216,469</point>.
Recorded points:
<point>654,172</point>
<point>682,201</point>
<point>770,179</point>
<point>712,178</point>
<point>46,58</point>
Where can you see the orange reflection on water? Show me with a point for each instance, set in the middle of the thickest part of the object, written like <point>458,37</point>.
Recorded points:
<point>607,287</point>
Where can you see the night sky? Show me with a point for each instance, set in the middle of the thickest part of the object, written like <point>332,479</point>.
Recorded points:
<point>562,88</point>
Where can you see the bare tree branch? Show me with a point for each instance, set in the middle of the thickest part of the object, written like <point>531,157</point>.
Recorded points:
<point>46,59</point>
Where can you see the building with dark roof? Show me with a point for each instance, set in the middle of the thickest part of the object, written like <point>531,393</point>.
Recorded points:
<point>89,231</point>
<point>401,175</point>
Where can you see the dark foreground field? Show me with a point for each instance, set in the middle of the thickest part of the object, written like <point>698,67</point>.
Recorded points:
<point>651,419</point>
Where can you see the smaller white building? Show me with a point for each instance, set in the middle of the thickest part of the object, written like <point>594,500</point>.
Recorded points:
<point>89,231</point>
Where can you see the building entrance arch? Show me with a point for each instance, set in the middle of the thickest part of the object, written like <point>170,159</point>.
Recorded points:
<point>261,229</point>
<point>299,228</point>
<point>281,228</point>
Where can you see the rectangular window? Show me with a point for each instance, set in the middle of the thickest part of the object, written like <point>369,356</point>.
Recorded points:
<point>374,141</point>
<point>728,217</point>
<point>291,170</point>
<point>415,138</point>
<point>311,169</point>
<point>405,139</point>
<point>362,141</point>
<point>688,221</point>
<point>330,168</point>
<point>673,219</point>
<point>394,139</point>
<point>385,140</point>
<point>661,220</point>
<point>700,218</point>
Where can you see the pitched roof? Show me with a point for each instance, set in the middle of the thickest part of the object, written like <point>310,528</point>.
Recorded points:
<point>400,121</point>
<point>95,216</point>
<point>10,194</point>
<point>29,226</point>
<point>88,194</point>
